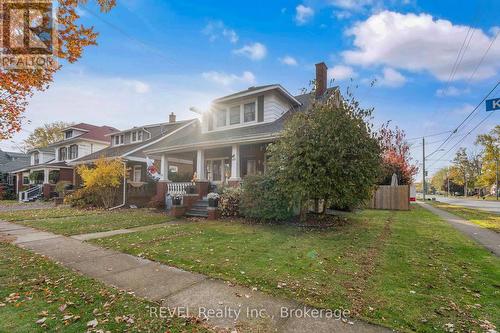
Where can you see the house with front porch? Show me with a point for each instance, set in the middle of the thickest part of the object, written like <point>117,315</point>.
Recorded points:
<point>230,140</point>
<point>50,165</point>
<point>128,146</point>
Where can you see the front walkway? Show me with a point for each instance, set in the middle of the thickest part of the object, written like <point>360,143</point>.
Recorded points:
<point>25,206</point>
<point>232,306</point>
<point>487,238</point>
<point>104,234</point>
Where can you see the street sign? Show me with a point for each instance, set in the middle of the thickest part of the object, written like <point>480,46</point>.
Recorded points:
<point>493,104</point>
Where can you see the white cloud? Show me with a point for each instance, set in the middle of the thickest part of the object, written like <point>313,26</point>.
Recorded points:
<point>354,5</point>
<point>288,60</point>
<point>341,72</point>
<point>303,14</point>
<point>138,86</point>
<point>391,78</point>
<point>255,51</point>
<point>229,79</point>
<point>217,29</point>
<point>420,43</point>
<point>78,96</point>
<point>451,91</point>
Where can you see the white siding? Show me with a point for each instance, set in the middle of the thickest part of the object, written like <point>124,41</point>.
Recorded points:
<point>274,107</point>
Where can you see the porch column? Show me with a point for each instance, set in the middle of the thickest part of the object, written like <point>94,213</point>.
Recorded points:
<point>46,176</point>
<point>235,163</point>
<point>200,164</point>
<point>164,168</point>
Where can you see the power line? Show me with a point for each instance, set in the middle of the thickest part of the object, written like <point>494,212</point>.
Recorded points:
<point>428,136</point>
<point>484,55</point>
<point>466,135</point>
<point>463,121</point>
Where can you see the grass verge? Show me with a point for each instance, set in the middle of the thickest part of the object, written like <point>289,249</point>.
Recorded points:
<point>405,270</point>
<point>40,296</point>
<point>69,221</point>
<point>481,218</point>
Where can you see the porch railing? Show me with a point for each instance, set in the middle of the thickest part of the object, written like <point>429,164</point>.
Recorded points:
<point>178,188</point>
<point>31,194</point>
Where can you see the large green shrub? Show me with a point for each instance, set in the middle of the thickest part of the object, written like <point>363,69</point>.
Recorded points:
<point>262,199</point>
<point>229,202</point>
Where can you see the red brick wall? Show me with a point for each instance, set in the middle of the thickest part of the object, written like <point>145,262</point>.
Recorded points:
<point>66,175</point>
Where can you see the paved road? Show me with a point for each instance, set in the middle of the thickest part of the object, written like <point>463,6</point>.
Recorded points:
<point>487,238</point>
<point>489,206</point>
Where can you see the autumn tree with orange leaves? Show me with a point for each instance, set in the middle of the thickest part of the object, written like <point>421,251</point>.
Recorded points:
<point>396,158</point>
<point>18,85</point>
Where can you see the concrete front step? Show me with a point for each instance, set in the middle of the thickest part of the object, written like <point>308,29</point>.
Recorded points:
<point>196,213</point>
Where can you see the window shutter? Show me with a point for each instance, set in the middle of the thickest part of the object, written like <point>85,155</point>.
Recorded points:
<point>260,109</point>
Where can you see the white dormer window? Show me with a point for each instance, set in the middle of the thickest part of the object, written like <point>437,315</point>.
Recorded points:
<point>221,118</point>
<point>234,115</point>
<point>136,136</point>
<point>68,134</point>
<point>119,140</point>
<point>36,158</point>
<point>239,114</point>
<point>249,112</point>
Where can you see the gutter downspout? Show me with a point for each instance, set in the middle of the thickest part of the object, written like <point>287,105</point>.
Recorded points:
<point>124,188</point>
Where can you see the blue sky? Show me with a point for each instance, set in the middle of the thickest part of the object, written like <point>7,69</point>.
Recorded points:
<point>156,57</point>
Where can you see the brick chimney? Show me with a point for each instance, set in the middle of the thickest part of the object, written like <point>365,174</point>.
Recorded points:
<point>321,79</point>
<point>171,118</point>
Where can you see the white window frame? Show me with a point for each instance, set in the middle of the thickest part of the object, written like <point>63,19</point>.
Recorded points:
<point>138,136</point>
<point>242,122</point>
<point>120,138</point>
<point>36,158</point>
<point>137,168</point>
<point>70,132</point>
<point>70,156</point>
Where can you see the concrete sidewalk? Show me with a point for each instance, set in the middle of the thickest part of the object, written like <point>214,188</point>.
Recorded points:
<point>485,237</point>
<point>232,306</point>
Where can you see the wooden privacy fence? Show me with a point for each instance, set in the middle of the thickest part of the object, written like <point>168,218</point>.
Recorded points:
<point>391,197</point>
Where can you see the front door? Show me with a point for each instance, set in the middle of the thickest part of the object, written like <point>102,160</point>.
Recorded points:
<point>218,170</point>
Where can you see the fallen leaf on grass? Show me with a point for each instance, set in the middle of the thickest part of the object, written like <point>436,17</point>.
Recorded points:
<point>92,323</point>
<point>41,321</point>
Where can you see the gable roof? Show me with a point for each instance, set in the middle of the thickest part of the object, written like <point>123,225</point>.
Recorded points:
<point>91,132</point>
<point>256,90</point>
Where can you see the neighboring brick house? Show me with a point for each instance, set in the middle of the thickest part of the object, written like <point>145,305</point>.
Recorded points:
<point>50,165</point>
<point>128,146</point>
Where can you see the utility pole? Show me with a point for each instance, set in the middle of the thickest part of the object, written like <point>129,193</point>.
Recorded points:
<point>496,181</point>
<point>423,167</point>
<point>448,181</point>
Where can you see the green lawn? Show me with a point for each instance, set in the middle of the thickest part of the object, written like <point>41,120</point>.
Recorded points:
<point>405,270</point>
<point>479,217</point>
<point>69,221</point>
<point>34,288</point>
